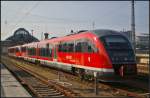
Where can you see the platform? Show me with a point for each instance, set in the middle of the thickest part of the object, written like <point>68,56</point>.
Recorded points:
<point>10,87</point>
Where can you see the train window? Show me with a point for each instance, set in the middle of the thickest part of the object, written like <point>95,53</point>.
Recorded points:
<point>91,47</point>
<point>50,52</point>
<point>31,51</point>
<point>16,50</point>
<point>60,48</point>
<point>11,50</point>
<point>43,51</point>
<point>78,47</point>
<point>70,47</point>
<point>23,49</point>
<point>34,51</point>
<point>81,46</point>
<point>46,52</point>
<point>114,39</point>
<point>85,45</point>
<point>64,47</point>
<point>115,42</point>
<point>40,52</point>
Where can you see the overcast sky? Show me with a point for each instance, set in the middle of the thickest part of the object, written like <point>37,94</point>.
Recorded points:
<point>59,17</point>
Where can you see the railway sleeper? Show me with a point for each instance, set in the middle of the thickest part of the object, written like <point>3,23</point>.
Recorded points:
<point>40,86</point>
<point>33,83</point>
<point>54,96</point>
<point>37,86</point>
<point>45,89</point>
<point>47,94</point>
<point>57,96</point>
<point>50,94</point>
<point>49,91</point>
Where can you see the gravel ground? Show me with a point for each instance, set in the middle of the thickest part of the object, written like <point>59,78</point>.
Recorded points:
<point>78,86</point>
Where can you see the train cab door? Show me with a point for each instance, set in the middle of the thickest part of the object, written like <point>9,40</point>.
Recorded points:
<point>55,52</point>
<point>78,52</point>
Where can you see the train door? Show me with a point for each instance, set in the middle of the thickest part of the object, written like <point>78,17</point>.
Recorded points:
<point>73,58</point>
<point>79,58</point>
<point>70,52</point>
<point>55,52</point>
<point>78,53</point>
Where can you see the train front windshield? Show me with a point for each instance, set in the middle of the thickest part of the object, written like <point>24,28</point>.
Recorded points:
<point>119,49</point>
<point>116,42</point>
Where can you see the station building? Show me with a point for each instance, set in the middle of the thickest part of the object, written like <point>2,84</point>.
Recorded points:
<point>20,36</point>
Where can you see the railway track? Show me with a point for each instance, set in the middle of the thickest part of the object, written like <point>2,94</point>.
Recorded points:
<point>38,85</point>
<point>120,89</point>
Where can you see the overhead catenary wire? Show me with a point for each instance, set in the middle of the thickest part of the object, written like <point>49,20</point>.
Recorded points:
<point>17,12</point>
<point>48,19</point>
<point>26,14</point>
<point>6,21</point>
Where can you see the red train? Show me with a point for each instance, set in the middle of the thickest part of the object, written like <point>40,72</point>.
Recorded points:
<point>104,51</point>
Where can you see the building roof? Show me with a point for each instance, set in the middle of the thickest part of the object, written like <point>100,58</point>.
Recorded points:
<point>20,36</point>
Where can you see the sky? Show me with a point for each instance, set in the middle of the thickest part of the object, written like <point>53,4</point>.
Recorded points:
<point>58,18</point>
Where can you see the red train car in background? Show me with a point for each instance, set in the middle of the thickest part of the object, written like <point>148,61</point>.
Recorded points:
<point>15,51</point>
<point>104,51</point>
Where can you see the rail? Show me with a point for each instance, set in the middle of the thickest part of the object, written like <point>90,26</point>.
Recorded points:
<point>39,85</point>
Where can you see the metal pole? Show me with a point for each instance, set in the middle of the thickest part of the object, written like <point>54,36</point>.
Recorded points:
<point>96,83</point>
<point>58,76</point>
<point>5,26</point>
<point>133,26</point>
<point>42,36</point>
<point>93,25</point>
<point>32,32</point>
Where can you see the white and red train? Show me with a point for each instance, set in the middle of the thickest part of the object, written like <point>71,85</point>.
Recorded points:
<point>104,51</point>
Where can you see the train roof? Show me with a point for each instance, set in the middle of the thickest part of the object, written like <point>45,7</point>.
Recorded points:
<point>105,32</point>
<point>97,32</point>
